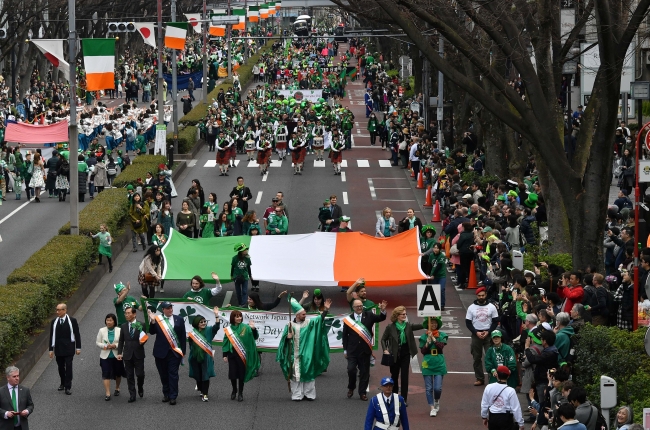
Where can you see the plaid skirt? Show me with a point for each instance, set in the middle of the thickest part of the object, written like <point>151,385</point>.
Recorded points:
<point>298,155</point>
<point>336,157</point>
<point>223,156</point>
<point>263,156</point>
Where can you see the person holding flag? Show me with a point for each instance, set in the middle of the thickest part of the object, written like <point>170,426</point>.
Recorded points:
<point>240,352</point>
<point>201,353</point>
<point>304,351</point>
<point>168,349</point>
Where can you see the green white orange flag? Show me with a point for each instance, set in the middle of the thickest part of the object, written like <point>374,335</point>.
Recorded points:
<point>217,30</point>
<point>271,8</point>
<point>241,13</point>
<point>99,62</point>
<point>278,5</point>
<point>254,13</point>
<point>264,11</point>
<point>175,35</point>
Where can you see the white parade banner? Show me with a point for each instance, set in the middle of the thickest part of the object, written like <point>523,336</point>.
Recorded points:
<point>300,95</point>
<point>270,325</point>
<point>160,144</point>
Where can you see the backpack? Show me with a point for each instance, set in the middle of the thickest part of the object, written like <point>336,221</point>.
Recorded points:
<point>590,299</point>
<point>571,357</point>
<point>65,168</point>
<point>601,422</point>
<point>111,169</point>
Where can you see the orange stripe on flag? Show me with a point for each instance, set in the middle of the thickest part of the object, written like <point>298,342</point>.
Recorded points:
<point>254,18</point>
<point>174,43</point>
<point>240,26</point>
<point>382,262</point>
<point>217,31</point>
<point>100,81</point>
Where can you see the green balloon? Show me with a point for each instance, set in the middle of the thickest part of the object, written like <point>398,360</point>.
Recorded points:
<point>303,104</point>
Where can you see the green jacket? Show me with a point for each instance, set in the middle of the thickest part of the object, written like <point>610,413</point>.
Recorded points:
<point>563,344</point>
<point>279,222</point>
<point>141,144</point>
<point>438,265</point>
<point>502,356</point>
<point>372,125</point>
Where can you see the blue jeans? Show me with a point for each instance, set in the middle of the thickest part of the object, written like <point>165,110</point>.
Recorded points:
<point>432,387</point>
<point>442,282</point>
<point>241,289</point>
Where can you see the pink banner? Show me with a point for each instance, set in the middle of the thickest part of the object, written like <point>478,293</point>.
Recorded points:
<point>27,133</point>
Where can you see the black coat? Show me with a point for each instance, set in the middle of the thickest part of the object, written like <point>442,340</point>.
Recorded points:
<point>390,339</point>
<point>546,360</point>
<point>404,224</point>
<point>337,213</point>
<point>63,346</point>
<point>83,181</point>
<point>353,344</point>
<point>129,347</point>
<point>244,192</point>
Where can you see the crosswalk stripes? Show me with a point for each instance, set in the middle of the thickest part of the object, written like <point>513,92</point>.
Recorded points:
<point>384,163</point>
<point>213,163</point>
<point>361,163</point>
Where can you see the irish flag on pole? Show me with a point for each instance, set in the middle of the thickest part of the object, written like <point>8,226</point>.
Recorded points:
<point>271,8</point>
<point>264,10</point>
<point>254,13</point>
<point>175,35</point>
<point>241,13</point>
<point>99,62</point>
<point>217,30</point>
<point>278,5</point>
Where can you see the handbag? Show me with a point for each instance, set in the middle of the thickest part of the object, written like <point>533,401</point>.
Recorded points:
<point>149,278</point>
<point>387,359</point>
<point>137,224</point>
<point>454,250</point>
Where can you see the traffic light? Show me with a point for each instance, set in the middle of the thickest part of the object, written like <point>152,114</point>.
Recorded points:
<point>121,27</point>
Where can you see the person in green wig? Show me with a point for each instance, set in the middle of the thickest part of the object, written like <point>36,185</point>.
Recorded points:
<point>500,354</point>
<point>201,354</point>
<point>123,301</point>
<point>434,366</point>
<point>240,352</point>
<point>304,351</point>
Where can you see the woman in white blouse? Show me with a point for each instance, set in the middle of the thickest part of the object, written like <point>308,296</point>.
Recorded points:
<point>112,368</point>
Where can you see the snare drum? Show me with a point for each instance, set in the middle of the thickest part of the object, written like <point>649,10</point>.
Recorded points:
<point>281,141</point>
<point>250,145</point>
<point>318,143</point>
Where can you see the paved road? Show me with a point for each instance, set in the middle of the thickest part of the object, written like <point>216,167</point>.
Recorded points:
<point>266,399</point>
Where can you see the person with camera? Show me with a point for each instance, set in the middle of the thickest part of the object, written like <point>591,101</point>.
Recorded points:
<point>138,215</point>
<point>500,406</point>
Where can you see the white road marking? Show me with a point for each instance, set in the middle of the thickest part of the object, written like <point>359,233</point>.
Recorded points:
<point>253,163</point>
<point>276,163</point>
<point>390,188</point>
<point>192,163</point>
<point>363,163</point>
<point>460,373</point>
<point>12,213</point>
<point>352,140</point>
<point>384,163</point>
<point>415,365</point>
<point>318,163</point>
<point>266,176</point>
<point>371,185</point>
<point>259,197</point>
<point>237,163</point>
<point>210,163</point>
<point>345,197</point>
<point>343,179</point>
<point>344,164</point>
<point>357,123</point>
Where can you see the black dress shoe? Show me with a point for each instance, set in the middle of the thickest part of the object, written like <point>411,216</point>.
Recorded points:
<point>172,402</point>
<point>61,388</point>
<point>131,399</point>
<point>116,393</point>
<point>350,393</point>
<point>240,398</point>
<point>233,395</point>
<point>165,399</point>
<point>141,392</point>
<point>67,391</point>
<point>107,398</point>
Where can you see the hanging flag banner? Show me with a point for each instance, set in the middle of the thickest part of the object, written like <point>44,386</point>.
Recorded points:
<point>278,5</point>
<point>194,20</point>
<point>299,95</point>
<point>146,30</point>
<point>99,62</point>
<point>175,35</point>
<point>160,144</point>
<point>241,13</point>
<point>271,6</point>
<point>264,10</point>
<point>270,325</point>
<point>217,30</point>
<point>53,51</point>
<point>254,13</point>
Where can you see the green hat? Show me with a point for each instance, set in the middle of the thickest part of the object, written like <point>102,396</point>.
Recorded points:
<point>197,319</point>
<point>317,292</point>
<point>425,321</point>
<point>119,151</point>
<point>240,247</point>
<point>487,230</point>
<point>501,198</point>
<point>295,306</point>
<point>344,218</point>
<point>119,287</point>
<point>512,193</point>
<point>129,187</point>
<point>496,333</point>
<point>531,201</point>
<point>428,227</point>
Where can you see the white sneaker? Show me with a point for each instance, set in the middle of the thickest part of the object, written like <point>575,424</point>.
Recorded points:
<point>436,406</point>
<point>433,412</point>
<point>372,360</point>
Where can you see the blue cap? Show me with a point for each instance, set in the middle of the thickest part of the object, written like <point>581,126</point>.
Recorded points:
<point>165,305</point>
<point>387,380</point>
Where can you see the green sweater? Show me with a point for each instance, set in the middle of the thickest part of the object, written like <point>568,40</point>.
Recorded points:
<point>438,265</point>
<point>279,222</point>
<point>501,356</point>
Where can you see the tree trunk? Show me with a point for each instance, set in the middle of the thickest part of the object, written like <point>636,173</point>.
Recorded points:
<point>559,233</point>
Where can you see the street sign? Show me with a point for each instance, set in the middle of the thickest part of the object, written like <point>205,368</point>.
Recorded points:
<point>428,300</point>
<point>644,172</point>
<point>640,90</point>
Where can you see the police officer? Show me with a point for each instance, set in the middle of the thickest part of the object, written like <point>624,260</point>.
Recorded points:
<point>387,411</point>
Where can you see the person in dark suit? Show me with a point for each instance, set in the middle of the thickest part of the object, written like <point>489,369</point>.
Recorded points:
<point>356,349</point>
<point>168,359</point>
<point>65,342</point>
<point>336,213</point>
<point>242,193</point>
<point>130,349</point>
<point>15,398</point>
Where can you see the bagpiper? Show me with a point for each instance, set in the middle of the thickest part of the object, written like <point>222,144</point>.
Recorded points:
<point>297,146</point>
<point>223,145</point>
<point>338,145</point>
<point>263,152</point>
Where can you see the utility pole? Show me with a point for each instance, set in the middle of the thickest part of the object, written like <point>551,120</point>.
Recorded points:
<point>205,27</point>
<point>229,45</point>
<point>175,86</point>
<point>72,125</point>
<point>441,52</point>
<point>426,90</point>
<point>161,102</point>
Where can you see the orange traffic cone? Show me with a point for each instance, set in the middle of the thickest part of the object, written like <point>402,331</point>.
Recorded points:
<point>436,212</point>
<point>472,284</point>
<point>427,202</point>
<point>420,184</point>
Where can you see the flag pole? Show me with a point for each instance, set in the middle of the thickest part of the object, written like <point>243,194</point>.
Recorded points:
<point>174,86</point>
<point>73,143</point>
<point>161,87</point>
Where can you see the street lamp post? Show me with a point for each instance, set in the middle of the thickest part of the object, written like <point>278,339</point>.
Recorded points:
<point>72,125</point>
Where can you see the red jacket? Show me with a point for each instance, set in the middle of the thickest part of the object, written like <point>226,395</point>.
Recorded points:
<point>572,295</point>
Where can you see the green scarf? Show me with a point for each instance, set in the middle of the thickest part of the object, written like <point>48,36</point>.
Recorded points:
<point>240,187</point>
<point>401,326</point>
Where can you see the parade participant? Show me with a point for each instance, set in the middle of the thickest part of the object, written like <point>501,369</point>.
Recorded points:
<point>168,349</point>
<point>240,273</point>
<point>343,225</point>
<point>386,410</point>
<point>358,341</point>
<point>123,301</point>
<point>438,269</point>
<point>281,135</point>
<point>242,193</point>
<point>434,366</point>
<point>357,291</point>
<point>255,303</point>
<point>211,210</point>
<point>500,406</point>
<point>201,354</point>
<point>65,342</point>
<point>277,222</point>
<point>335,152</point>
<point>263,153</point>
<point>130,350</point>
<point>232,148</point>
<point>249,142</point>
<point>297,147</point>
<point>303,352</point>
<point>240,352</point>
<point>200,294</point>
<point>104,249</point>
<point>500,354</point>
<point>112,368</point>
<point>481,319</point>
<point>223,153</point>
<point>317,302</point>
<point>318,131</point>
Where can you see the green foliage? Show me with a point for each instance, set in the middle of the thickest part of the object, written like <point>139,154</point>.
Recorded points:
<point>59,265</point>
<point>646,107</point>
<point>109,207</point>
<point>392,73</point>
<point>138,169</point>
<point>186,138</point>
<point>470,176</point>
<point>11,340</point>
<point>619,354</point>
<point>562,260</point>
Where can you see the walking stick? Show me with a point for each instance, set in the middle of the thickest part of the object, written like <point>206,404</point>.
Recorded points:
<point>286,346</point>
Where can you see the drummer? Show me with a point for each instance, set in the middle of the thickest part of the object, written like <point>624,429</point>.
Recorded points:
<point>281,133</point>
<point>297,145</point>
<point>249,142</point>
<point>318,131</point>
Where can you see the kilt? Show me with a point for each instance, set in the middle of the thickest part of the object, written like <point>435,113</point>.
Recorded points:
<point>223,156</point>
<point>298,155</point>
<point>263,156</point>
<point>336,157</point>
<point>232,151</point>
<point>282,144</point>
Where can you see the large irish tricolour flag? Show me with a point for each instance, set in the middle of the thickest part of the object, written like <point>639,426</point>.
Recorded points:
<point>316,259</point>
<point>175,35</point>
<point>99,62</point>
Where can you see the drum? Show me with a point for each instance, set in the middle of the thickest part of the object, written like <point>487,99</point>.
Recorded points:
<point>318,143</point>
<point>281,141</point>
<point>250,145</point>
